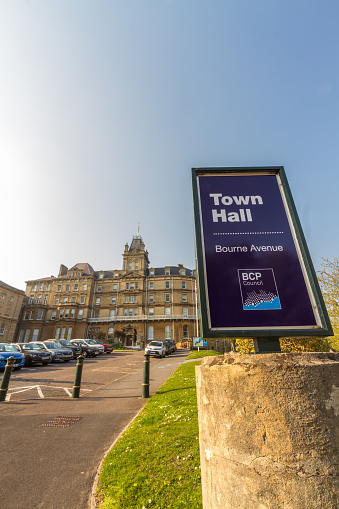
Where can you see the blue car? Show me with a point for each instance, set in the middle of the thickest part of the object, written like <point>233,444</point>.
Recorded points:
<point>6,351</point>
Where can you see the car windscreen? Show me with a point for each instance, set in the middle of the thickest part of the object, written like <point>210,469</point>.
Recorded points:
<point>91,342</point>
<point>155,343</point>
<point>31,346</point>
<point>65,342</point>
<point>51,345</point>
<point>8,348</point>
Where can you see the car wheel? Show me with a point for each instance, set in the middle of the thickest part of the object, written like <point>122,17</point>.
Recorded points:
<point>17,369</point>
<point>67,360</point>
<point>45,363</point>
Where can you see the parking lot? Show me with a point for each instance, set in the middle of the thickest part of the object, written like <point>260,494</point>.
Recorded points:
<point>57,379</point>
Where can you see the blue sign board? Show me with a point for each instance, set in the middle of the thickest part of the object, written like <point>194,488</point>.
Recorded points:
<point>255,274</point>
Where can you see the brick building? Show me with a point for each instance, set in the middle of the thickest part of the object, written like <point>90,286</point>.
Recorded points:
<point>138,301</point>
<point>11,302</point>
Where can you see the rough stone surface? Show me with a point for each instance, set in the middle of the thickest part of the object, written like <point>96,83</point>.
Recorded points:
<point>269,431</point>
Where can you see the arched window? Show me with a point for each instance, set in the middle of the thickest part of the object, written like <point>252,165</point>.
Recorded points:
<point>167,332</point>
<point>185,331</point>
<point>150,332</point>
<point>110,333</point>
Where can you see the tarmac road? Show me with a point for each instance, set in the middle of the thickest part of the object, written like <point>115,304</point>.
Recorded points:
<point>51,463</point>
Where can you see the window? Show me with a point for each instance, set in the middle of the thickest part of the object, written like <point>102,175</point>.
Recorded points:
<point>131,286</point>
<point>69,333</point>
<point>2,329</point>
<point>65,299</point>
<point>97,301</point>
<point>35,334</point>
<point>151,311</point>
<point>11,299</point>
<point>26,315</point>
<point>150,298</point>
<point>125,312</point>
<point>84,287</point>
<point>167,297</point>
<point>150,332</point>
<point>74,299</point>
<point>151,273</point>
<point>76,288</point>
<point>167,332</point>
<point>126,286</point>
<point>57,333</point>
<point>39,315</point>
<point>28,332</point>
<point>56,301</point>
<point>151,286</point>
<point>34,288</point>
<point>99,288</point>
<point>61,313</point>
<point>112,313</point>
<point>184,311</point>
<point>53,316</point>
<point>131,299</point>
<point>48,286</point>
<point>80,313</point>
<point>167,272</point>
<point>72,315</point>
<point>2,295</point>
<point>101,276</point>
<point>45,299</point>
<point>21,336</point>
<point>41,287</point>
<point>184,297</point>
<point>135,311</point>
<point>67,288</point>
<point>130,312</point>
<point>110,332</point>
<point>82,300</point>
<point>185,331</point>
<point>182,272</point>
<point>62,335</point>
<point>31,316</point>
<point>129,266</point>
<point>135,298</point>
<point>96,313</point>
<point>167,285</point>
<point>114,300</point>
<point>136,266</point>
<point>126,299</point>
<point>116,274</point>
<point>115,287</point>
<point>66,313</point>
<point>167,311</point>
<point>136,286</point>
<point>59,288</point>
<point>31,299</point>
<point>183,285</point>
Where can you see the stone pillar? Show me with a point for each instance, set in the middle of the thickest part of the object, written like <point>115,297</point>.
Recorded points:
<point>269,431</point>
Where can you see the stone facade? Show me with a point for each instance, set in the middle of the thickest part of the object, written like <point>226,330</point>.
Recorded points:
<point>11,302</point>
<point>138,301</point>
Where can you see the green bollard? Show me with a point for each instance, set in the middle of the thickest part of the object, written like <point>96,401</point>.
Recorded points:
<point>78,373</point>
<point>145,384</point>
<point>6,378</point>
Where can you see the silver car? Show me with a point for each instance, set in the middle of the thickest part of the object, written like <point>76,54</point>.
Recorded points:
<point>156,348</point>
<point>58,353</point>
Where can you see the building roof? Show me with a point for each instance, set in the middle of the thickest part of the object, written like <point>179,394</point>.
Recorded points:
<point>12,288</point>
<point>136,243</point>
<point>85,268</point>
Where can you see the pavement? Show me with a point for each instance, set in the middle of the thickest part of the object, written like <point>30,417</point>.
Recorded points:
<point>51,463</point>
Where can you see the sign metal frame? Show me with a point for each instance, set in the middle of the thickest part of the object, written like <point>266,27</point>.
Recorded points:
<point>323,327</point>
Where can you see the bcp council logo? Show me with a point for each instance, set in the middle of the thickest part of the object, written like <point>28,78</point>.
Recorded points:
<point>258,289</point>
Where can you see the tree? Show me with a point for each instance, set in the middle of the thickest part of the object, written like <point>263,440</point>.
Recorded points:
<point>329,282</point>
<point>119,335</point>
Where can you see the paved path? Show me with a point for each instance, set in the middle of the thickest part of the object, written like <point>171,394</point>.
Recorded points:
<point>47,464</point>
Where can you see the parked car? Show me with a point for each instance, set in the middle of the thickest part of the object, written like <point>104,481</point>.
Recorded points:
<point>65,343</point>
<point>7,350</point>
<point>174,346</point>
<point>168,346</point>
<point>107,347</point>
<point>156,348</point>
<point>86,350</point>
<point>34,354</point>
<point>93,342</point>
<point>58,353</point>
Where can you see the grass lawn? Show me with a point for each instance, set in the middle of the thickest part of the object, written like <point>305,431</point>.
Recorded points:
<point>202,353</point>
<point>156,462</point>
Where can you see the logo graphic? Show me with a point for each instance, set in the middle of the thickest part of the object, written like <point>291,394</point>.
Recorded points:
<point>258,289</point>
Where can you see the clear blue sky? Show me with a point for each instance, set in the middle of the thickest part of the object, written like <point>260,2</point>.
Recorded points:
<point>106,105</point>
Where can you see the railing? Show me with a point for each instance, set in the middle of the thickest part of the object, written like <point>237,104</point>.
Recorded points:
<point>139,318</point>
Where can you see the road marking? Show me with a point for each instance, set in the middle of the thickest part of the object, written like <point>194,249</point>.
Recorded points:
<point>18,390</point>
